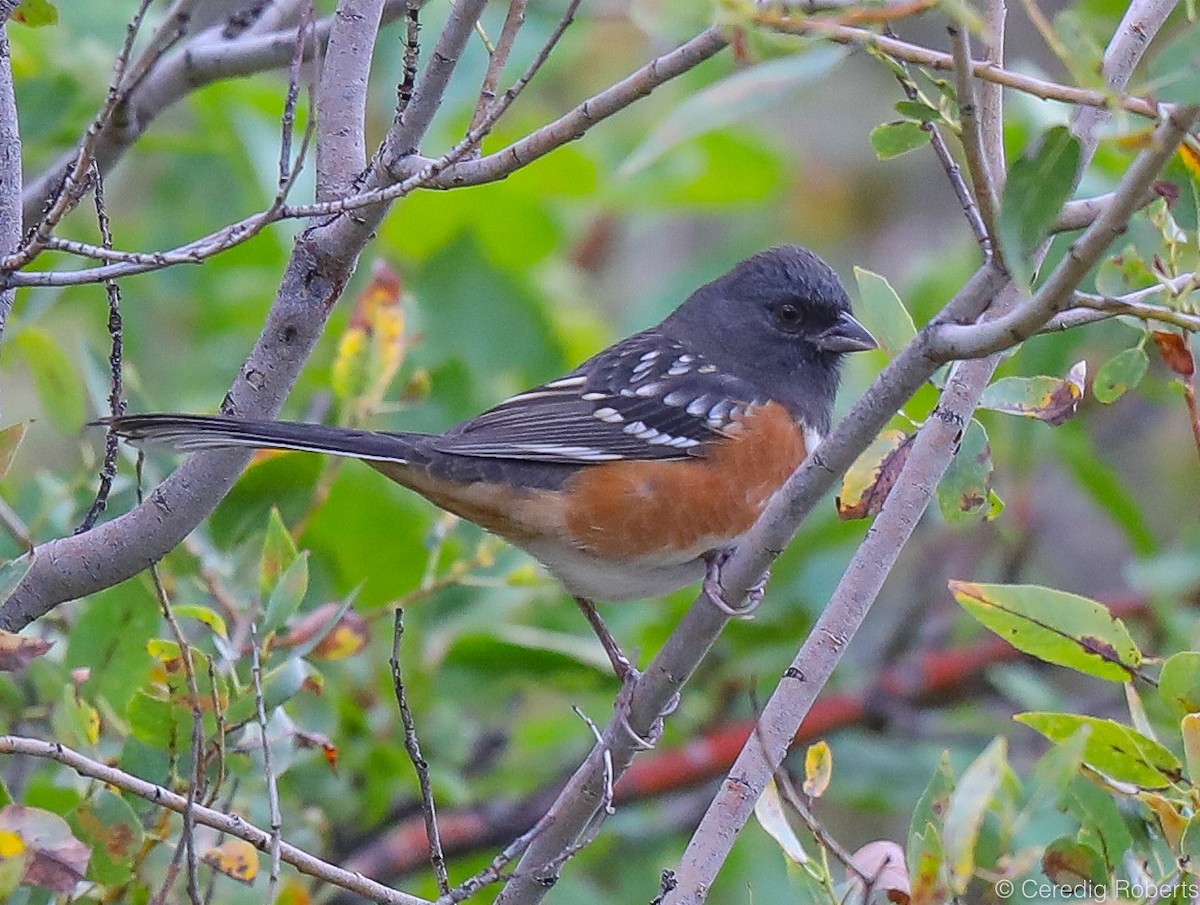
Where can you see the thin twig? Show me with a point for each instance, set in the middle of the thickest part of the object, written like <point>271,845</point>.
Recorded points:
<point>231,824</point>
<point>498,58</point>
<point>288,125</point>
<point>74,181</point>
<point>116,401</point>
<point>787,790</point>
<point>986,195</point>
<point>268,769</point>
<point>412,56</point>
<point>196,781</point>
<point>413,746</point>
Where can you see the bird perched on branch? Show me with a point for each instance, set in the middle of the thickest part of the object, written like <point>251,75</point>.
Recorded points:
<point>634,474</point>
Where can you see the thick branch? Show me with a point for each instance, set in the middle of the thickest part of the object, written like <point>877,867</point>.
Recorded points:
<point>10,164</point>
<point>229,824</point>
<point>342,97</point>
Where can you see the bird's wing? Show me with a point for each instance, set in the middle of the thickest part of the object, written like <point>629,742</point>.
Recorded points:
<point>647,397</point>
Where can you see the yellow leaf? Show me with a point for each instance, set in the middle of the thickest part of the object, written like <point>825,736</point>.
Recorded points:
<point>818,769</point>
<point>234,858</point>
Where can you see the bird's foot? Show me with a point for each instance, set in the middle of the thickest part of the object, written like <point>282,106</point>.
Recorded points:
<point>714,562</point>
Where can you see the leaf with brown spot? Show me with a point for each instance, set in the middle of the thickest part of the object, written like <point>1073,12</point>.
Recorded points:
<point>1176,352</point>
<point>870,479</point>
<point>1112,749</point>
<point>235,858</point>
<point>818,769</point>
<point>18,651</point>
<point>111,827</point>
<point>1050,399</point>
<point>1070,863</point>
<point>965,491</point>
<point>59,859</point>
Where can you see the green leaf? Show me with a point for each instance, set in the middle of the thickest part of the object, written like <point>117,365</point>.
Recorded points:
<point>968,806</point>
<point>36,13</point>
<point>109,825</point>
<point>110,640</point>
<point>11,575</point>
<point>1038,185</point>
<point>882,311</point>
<point>1189,844</point>
<point>919,111</point>
<point>279,685</point>
<point>286,595</point>
<point>1054,626</point>
<point>1179,683</point>
<point>279,552</point>
<point>537,650</point>
<point>931,808</point>
<point>1175,69</point>
<point>1100,819</point>
<point>741,96</point>
<point>1120,374</point>
<point>1050,399</point>
<point>1113,749</point>
<point>965,491</point>
<point>55,376</point>
<point>10,439</point>
<point>209,617</point>
<point>893,139</point>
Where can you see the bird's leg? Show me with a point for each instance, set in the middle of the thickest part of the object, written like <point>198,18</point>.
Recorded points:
<point>622,665</point>
<point>714,561</point>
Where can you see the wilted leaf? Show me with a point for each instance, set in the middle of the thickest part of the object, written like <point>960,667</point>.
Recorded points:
<point>234,858</point>
<point>741,96</point>
<point>1048,399</point>
<point>1120,374</point>
<point>1060,628</point>
<point>883,863</point>
<point>1179,683</point>
<point>16,651</point>
<point>927,853</point>
<point>10,439</point>
<point>1069,863</point>
<point>109,825</point>
<point>372,349</point>
<point>769,812</point>
<point>318,740</point>
<point>867,482</point>
<point>279,552</point>
<point>965,491</point>
<point>882,312</point>
<point>1170,820</point>
<point>968,806</point>
<point>893,139</point>
<point>818,769</point>
<point>1175,351</point>
<point>1038,184</point>
<point>59,859</point>
<point>1112,749</point>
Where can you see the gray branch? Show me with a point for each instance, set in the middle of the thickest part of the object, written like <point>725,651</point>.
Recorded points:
<point>10,164</point>
<point>342,97</point>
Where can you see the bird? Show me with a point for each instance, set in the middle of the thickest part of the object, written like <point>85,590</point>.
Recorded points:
<point>636,473</point>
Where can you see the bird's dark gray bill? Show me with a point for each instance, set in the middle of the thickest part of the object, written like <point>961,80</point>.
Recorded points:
<point>847,335</point>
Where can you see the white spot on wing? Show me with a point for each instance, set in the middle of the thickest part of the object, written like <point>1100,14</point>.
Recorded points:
<point>586,453</point>
<point>635,428</point>
<point>676,397</point>
<point>593,397</point>
<point>650,356</point>
<point>698,406</point>
<point>612,416</point>
<point>706,369</point>
<point>683,442</point>
<point>648,389</point>
<point>564,383</point>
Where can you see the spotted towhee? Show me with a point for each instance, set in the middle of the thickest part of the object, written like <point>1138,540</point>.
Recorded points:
<point>632,474</point>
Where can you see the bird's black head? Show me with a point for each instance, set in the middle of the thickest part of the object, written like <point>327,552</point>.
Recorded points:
<point>780,319</point>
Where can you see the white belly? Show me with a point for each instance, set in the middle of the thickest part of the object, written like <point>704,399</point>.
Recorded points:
<point>584,575</point>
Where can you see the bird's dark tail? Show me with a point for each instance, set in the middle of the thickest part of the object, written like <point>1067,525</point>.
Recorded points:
<point>189,433</point>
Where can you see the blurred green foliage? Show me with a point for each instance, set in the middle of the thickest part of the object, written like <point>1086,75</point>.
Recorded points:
<point>504,286</point>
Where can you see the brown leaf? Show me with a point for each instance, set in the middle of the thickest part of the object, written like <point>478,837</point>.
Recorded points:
<point>344,639</point>
<point>234,858</point>
<point>383,291</point>
<point>870,479</point>
<point>59,859</point>
<point>1176,352</point>
<point>318,740</point>
<point>17,651</point>
<point>882,863</point>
